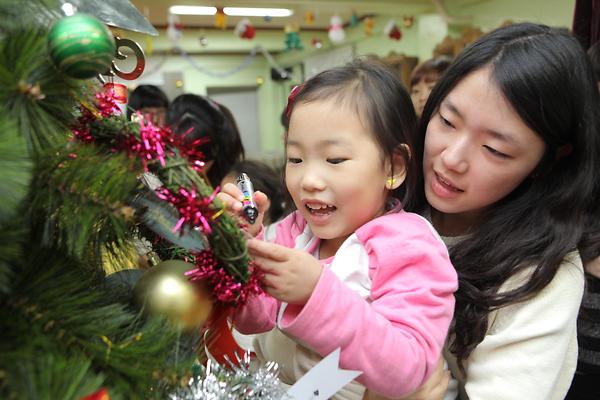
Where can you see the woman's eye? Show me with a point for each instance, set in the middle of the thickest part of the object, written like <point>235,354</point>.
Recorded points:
<point>293,160</point>
<point>336,160</point>
<point>496,152</point>
<point>446,122</point>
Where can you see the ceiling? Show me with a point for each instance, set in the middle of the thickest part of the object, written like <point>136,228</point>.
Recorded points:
<point>157,10</point>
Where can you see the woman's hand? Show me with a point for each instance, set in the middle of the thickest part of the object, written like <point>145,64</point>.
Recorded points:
<point>433,389</point>
<point>231,197</point>
<point>290,275</point>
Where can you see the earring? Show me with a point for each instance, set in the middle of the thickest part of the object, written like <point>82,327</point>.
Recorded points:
<point>391,182</point>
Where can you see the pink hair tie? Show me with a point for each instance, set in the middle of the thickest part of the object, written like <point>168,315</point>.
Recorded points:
<point>295,90</point>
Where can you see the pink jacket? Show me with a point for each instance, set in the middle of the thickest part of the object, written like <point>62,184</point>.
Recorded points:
<point>395,335</point>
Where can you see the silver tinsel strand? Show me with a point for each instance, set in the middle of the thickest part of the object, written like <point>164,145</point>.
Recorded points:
<point>216,382</point>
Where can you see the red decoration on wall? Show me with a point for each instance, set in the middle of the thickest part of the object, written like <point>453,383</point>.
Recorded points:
<point>392,30</point>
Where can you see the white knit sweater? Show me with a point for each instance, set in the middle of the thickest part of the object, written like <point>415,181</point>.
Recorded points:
<point>530,348</point>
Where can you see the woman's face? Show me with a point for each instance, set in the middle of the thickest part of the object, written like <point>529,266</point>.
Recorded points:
<point>477,151</point>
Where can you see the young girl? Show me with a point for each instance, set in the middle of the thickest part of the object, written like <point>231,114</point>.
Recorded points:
<point>511,159</point>
<point>350,269</point>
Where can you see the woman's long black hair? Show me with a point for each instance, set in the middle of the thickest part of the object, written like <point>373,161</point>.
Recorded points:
<point>545,75</point>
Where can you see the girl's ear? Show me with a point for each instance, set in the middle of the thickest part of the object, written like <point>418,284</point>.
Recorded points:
<point>398,167</point>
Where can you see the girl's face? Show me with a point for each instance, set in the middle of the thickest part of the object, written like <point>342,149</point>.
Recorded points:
<point>419,93</point>
<point>477,151</point>
<point>334,170</point>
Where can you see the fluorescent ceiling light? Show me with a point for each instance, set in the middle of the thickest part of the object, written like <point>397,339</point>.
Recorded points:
<point>192,10</point>
<point>257,12</point>
<point>232,11</point>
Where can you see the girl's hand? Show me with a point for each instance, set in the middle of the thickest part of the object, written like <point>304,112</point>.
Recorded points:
<point>231,197</point>
<point>433,389</point>
<point>290,275</point>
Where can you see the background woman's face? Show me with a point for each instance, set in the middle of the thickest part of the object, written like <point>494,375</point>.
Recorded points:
<point>419,93</point>
<point>477,148</point>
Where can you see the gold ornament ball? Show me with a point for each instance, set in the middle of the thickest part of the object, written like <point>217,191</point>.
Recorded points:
<point>165,290</point>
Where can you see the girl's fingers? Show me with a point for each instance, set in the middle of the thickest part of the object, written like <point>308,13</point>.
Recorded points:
<point>268,281</point>
<point>233,191</point>
<point>229,202</point>
<point>268,267</point>
<point>262,201</point>
<point>267,250</point>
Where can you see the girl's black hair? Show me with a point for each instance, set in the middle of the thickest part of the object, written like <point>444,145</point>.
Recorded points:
<point>198,117</point>
<point>146,96</point>
<point>546,77</point>
<point>380,100</point>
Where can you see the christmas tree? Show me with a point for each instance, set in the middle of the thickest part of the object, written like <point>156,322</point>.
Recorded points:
<point>89,198</point>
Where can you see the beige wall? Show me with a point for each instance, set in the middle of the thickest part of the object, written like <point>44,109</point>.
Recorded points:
<point>428,30</point>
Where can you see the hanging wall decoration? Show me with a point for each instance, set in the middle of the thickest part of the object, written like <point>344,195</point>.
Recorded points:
<point>369,23</point>
<point>408,21</point>
<point>309,17</point>
<point>336,30</point>
<point>174,28</point>
<point>353,19</point>
<point>220,18</point>
<point>392,31</point>
<point>244,29</point>
<point>203,40</point>
<point>292,37</point>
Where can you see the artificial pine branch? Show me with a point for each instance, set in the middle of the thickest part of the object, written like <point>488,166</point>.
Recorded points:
<point>56,307</point>
<point>65,331</point>
<point>16,169</point>
<point>39,96</point>
<point>81,195</point>
<point>37,12</point>
<point>51,376</point>
<point>226,239</point>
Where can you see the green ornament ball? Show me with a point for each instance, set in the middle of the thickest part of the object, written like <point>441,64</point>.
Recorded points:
<point>81,46</point>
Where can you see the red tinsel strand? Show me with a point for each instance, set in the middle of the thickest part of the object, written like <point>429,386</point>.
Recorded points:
<point>82,131</point>
<point>190,149</point>
<point>194,210</point>
<point>106,106</point>
<point>152,143</point>
<point>224,287</point>
<point>107,103</point>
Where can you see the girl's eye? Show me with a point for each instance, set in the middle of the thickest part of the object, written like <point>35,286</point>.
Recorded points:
<point>293,160</point>
<point>336,160</point>
<point>496,152</point>
<point>446,122</point>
